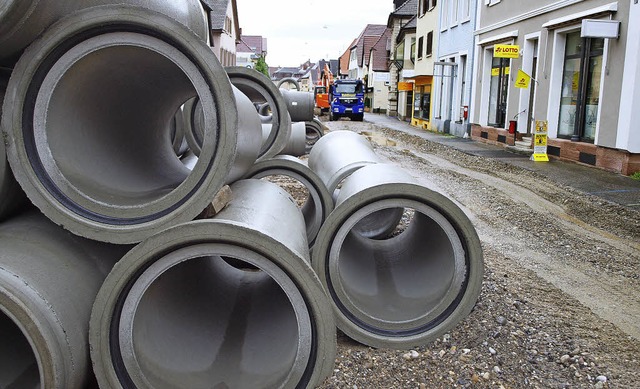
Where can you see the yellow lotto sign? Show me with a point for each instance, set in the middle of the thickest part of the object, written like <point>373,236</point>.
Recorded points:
<point>522,80</point>
<point>506,51</point>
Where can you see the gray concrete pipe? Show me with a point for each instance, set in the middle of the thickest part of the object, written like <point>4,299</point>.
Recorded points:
<point>48,281</point>
<point>229,302</point>
<point>297,144</point>
<point>337,155</point>
<point>249,133</point>
<point>319,202</point>
<point>315,130</point>
<point>406,290</point>
<point>82,125</point>
<point>22,21</point>
<point>288,81</point>
<point>259,89</point>
<point>12,198</point>
<point>177,135</point>
<point>299,104</point>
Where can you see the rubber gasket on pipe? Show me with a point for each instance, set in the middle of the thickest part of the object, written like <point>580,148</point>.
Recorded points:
<point>48,281</point>
<point>224,302</point>
<point>260,89</point>
<point>319,203</point>
<point>406,290</point>
<point>22,21</point>
<point>106,176</point>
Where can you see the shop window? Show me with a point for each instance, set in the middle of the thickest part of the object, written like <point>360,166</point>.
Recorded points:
<point>580,87</point>
<point>422,102</point>
<point>498,92</point>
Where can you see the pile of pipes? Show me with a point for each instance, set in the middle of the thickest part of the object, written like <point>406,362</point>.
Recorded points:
<point>120,127</point>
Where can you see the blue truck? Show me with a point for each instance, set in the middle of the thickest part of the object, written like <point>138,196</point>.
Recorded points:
<point>347,99</point>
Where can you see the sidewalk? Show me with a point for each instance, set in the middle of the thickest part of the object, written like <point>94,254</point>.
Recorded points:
<point>606,185</point>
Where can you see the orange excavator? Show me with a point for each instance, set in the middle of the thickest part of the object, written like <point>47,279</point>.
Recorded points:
<point>321,90</point>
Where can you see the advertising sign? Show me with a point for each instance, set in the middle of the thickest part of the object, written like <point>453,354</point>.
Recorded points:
<point>506,51</point>
<point>540,142</point>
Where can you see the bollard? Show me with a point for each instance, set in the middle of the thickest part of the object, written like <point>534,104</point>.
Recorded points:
<point>224,302</point>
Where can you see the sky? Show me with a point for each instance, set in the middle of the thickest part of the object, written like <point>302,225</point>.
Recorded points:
<point>299,30</point>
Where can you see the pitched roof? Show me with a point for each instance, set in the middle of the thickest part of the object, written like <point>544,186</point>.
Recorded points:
<point>256,42</point>
<point>344,60</point>
<point>366,40</point>
<point>218,12</point>
<point>407,10</point>
<point>381,55</point>
<point>242,47</point>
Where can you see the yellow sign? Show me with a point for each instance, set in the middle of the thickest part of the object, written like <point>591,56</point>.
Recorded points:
<point>405,86</point>
<point>495,72</point>
<point>540,140</point>
<point>506,51</point>
<point>523,79</point>
<point>540,157</point>
<point>541,126</point>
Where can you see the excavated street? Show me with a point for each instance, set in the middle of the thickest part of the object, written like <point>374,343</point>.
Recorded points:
<point>560,300</point>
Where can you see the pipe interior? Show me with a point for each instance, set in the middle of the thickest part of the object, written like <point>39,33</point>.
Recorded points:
<point>403,278</point>
<point>215,322</point>
<point>380,224</point>
<point>107,123</point>
<point>18,362</point>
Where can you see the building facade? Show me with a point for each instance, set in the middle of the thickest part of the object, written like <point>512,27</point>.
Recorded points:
<point>399,88</point>
<point>378,74</point>
<point>582,56</point>
<point>425,57</point>
<point>225,30</point>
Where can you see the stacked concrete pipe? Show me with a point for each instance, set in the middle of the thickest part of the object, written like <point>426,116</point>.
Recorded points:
<point>48,281</point>
<point>226,302</point>
<point>299,104</point>
<point>319,202</point>
<point>315,130</point>
<point>335,157</point>
<point>260,90</point>
<point>22,21</point>
<point>11,196</point>
<point>405,290</point>
<point>297,143</point>
<point>84,140</point>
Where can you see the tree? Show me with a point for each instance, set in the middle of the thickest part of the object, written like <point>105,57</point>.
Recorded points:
<point>261,66</point>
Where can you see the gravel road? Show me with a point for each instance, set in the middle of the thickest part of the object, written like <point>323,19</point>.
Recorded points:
<point>560,302</point>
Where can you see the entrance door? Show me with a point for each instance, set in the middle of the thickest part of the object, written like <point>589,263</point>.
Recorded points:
<point>498,92</point>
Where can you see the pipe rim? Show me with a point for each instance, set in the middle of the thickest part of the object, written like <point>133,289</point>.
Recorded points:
<point>474,263</point>
<point>107,309</point>
<point>425,315</point>
<point>175,258</point>
<point>40,55</point>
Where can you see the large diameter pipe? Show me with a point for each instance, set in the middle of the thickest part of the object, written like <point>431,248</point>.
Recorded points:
<point>315,130</point>
<point>229,302</point>
<point>338,154</point>
<point>260,90</point>
<point>249,133</point>
<point>406,290</point>
<point>86,115</point>
<point>22,21</point>
<point>299,104</point>
<point>297,144</point>
<point>319,202</point>
<point>48,281</point>
<point>11,196</point>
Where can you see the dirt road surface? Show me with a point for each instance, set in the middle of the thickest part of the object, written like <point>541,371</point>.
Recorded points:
<point>560,302</point>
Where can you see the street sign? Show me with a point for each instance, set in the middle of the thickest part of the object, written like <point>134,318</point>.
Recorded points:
<point>506,51</point>
<point>540,142</point>
<point>522,80</point>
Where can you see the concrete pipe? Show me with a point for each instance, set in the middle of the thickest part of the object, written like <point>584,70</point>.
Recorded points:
<point>315,130</point>
<point>287,82</point>
<point>406,290</point>
<point>297,145</point>
<point>249,133</point>
<point>176,132</point>
<point>91,101</point>
<point>12,198</point>
<point>229,302</point>
<point>259,89</point>
<point>22,21</point>
<point>319,202</point>
<point>48,281</point>
<point>299,104</point>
